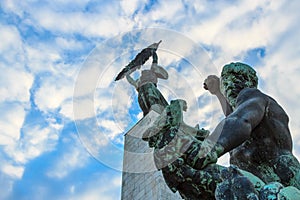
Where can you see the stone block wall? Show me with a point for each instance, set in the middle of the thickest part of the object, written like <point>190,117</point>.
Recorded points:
<point>141,180</point>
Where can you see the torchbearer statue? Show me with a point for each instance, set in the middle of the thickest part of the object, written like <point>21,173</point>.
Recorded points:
<point>146,85</point>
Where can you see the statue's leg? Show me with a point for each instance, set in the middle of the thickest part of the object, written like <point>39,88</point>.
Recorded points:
<point>193,184</point>
<point>155,96</point>
<point>287,167</point>
<point>148,96</point>
<point>142,101</point>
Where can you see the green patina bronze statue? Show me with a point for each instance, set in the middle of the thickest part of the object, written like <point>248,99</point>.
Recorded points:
<point>146,84</point>
<point>255,132</point>
<point>176,152</point>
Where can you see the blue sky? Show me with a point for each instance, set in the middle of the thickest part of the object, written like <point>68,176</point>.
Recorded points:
<point>63,117</point>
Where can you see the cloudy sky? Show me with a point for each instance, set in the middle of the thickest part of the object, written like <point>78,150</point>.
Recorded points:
<point>63,115</point>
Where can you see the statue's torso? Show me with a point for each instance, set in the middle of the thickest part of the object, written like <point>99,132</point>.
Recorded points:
<point>268,140</point>
<point>148,76</point>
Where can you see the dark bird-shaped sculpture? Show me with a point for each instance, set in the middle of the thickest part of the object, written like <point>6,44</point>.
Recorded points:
<point>138,61</point>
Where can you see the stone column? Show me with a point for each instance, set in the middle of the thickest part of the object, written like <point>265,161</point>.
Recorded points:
<point>141,180</point>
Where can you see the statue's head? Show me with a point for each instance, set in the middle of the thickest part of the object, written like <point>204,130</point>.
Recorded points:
<point>234,78</point>
<point>178,104</point>
<point>175,109</point>
<point>183,104</point>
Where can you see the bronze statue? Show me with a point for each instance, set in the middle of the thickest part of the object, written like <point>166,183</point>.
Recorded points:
<point>255,132</point>
<point>149,97</point>
<point>139,60</point>
<point>175,143</point>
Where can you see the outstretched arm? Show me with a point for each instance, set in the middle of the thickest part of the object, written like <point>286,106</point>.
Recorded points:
<point>212,84</point>
<point>132,81</point>
<point>159,71</point>
<point>199,134</point>
<point>236,128</point>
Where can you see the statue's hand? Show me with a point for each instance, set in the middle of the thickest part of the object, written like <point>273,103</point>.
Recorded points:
<point>203,161</point>
<point>202,154</point>
<point>150,132</point>
<point>159,71</point>
<point>212,84</point>
<point>202,133</point>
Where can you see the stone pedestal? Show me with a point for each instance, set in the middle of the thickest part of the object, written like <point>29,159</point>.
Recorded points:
<point>141,179</point>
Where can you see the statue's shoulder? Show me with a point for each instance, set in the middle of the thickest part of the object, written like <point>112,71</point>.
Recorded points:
<point>251,93</point>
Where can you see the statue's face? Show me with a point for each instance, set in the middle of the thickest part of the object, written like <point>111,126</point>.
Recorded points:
<point>184,108</point>
<point>183,105</point>
<point>234,78</point>
<point>229,88</point>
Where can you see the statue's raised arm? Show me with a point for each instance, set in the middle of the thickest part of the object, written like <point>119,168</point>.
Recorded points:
<point>149,97</point>
<point>139,60</point>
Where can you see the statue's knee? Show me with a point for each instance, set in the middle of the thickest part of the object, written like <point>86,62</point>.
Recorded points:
<point>287,168</point>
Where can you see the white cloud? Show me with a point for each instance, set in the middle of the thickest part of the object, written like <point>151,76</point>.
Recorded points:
<point>41,57</point>
<point>73,157</point>
<point>13,171</point>
<point>68,3</point>
<point>15,85</point>
<point>238,27</point>
<point>103,186</point>
<point>67,109</point>
<point>66,43</point>
<point>12,38</point>
<point>22,143</point>
<point>129,7</point>
<point>47,58</point>
<point>167,10</point>
<point>11,47</point>
<point>15,82</point>
<point>98,141</point>
<point>11,121</point>
<point>53,91</point>
<point>83,108</point>
<point>162,14</point>
<point>111,128</point>
<point>224,160</point>
<point>96,71</point>
<point>12,6</point>
<point>91,24</point>
<point>34,142</point>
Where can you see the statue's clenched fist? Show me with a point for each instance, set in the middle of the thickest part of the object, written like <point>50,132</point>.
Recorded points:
<point>212,84</point>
